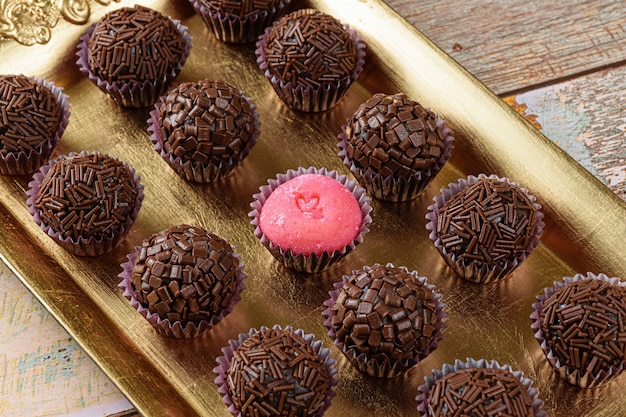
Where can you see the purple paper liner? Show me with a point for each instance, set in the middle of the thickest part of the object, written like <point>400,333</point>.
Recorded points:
<point>386,368</point>
<point>224,363</point>
<point>573,376</point>
<point>82,247</point>
<point>309,263</point>
<point>231,28</point>
<point>194,171</point>
<point>132,94</point>
<point>177,329</point>
<point>24,163</point>
<point>397,189</point>
<point>307,98</point>
<point>429,381</point>
<point>472,272</point>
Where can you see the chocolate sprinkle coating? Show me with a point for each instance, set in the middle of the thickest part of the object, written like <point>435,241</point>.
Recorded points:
<point>29,114</point>
<point>310,48</point>
<point>206,122</point>
<point>584,324</point>
<point>385,312</point>
<point>275,372</point>
<point>490,222</point>
<point>185,273</point>
<point>479,392</point>
<point>393,135</point>
<point>133,45</point>
<point>87,195</point>
<point>241,8</point>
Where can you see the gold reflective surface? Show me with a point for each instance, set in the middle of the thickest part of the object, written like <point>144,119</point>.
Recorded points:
<point>585,223</point>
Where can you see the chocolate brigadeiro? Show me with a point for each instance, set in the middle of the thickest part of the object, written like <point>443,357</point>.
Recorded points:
<point>310,58</point>
<point>86,202</point>
<point>385,319</point>
<point>580,324</point>
<point>394,146</point>
<point>276,372</point>
<point>484,227</point>
<point>183,280</point>
<point>33,116</point>
<point>204,129</point>
<point>133,54</point>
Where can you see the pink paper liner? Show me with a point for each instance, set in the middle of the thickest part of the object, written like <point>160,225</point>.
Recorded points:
<point>235,29</point>
<point>472,272</point>
<point>307,98</point>
<point>397,189</point>
<point>200,172</point>
<point>224,363</point>
<point>177,329</point>
<point>309,263</point>
<point>132,94</point>
<point>24,163</point>
<point>429,381</point>
<point>573,376</point>
<point>82,247</point>
<point>387,368</point>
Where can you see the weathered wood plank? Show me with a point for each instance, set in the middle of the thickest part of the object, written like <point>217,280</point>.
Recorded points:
<point>516,44</point>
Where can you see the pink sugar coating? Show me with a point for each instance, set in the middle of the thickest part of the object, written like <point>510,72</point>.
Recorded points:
<point>311,213</point>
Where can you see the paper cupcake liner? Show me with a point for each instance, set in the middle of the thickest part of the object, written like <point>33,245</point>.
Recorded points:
<point>132,94</point>
<point>177,329</point>
<point>24,163</point>
<point>397,189</point>
<point>82,247</point>
<point>472,272</point>
<point>235,29</point>
<point>307,98</point>
<point>429,381</point>
<point>573,376</point>
<point>309,263</point>
<point>384,368</point>
<point>200,172</point>
<point>224,363</point>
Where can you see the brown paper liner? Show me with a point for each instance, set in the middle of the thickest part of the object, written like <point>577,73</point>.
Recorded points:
<point>235,29</point>
<point>384,368</point>
<point>132,94</point>
<point>82,247</point>
<point>573,376</point>
<point>227,354</point>
<point>397,189</point>
<point>429,381</point>
<point>177,329</point>
<point>311,262</point>
<point>24,163</point>
<point>473,272</point>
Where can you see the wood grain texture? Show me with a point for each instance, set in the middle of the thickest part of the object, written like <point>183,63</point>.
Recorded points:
<point>516,45</point>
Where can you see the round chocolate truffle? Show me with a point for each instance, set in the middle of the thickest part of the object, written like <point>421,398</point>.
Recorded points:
<point>241,8</point>
<point>582,325</point>
<point>204,129</point>
<point>185,274</point>
<point>277,372</point>
<point>385,319</point>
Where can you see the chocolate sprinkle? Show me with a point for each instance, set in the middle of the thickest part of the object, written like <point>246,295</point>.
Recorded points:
<point>479,392</point>
<point>185,273</point>
<point>29,114</point>
<point>206,122</point>
<point>386,313</point>
<point>310,48</point>
<point>275,372</point>
<point>87,195</point>
<point>490,222</point>
<point>393,135</point>
<point>584,324</point>
<point>133,45</point>
<point>241,8</point>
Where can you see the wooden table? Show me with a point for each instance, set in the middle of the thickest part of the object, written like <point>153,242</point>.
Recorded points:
<point>560,64</point>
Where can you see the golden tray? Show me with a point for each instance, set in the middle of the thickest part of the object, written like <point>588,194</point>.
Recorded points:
<point>585,222</point>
